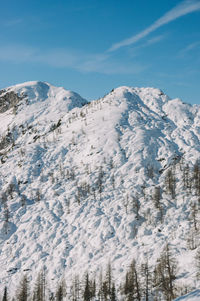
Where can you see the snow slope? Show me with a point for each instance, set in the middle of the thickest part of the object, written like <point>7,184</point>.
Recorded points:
<point>72,171</point>
<point>193,296</point>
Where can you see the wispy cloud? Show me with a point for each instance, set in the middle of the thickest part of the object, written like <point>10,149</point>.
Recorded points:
<point>17,53</point>
<point>136,49</point>
<point>189,48</point>
<point>11,22</point>
<point>183,8</point>
<point>154,40</point>
<point>107,65</point>
<point>68,58</point>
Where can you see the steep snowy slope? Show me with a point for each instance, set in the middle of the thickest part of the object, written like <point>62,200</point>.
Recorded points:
<point>79,180</point>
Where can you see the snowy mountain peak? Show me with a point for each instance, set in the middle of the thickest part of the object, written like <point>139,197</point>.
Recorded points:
<point>151,98</point>
<point>39,91</point>
<point>36,103</point>
<point>143,90</point>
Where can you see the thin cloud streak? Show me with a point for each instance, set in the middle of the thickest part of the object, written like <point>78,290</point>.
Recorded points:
<point>17,53</point>
<point>136,49</point>
<point>11,22</point>
<point>189,48</point>
<point>154,40</point>
<point>68,58</point>
<point>184,8</point>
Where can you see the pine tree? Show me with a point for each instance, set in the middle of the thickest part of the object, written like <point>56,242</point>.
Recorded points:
<point>194,212</point>
<point>87,295</point>
<point>170,183</point>
<point>113,293</point>
<point>93,288</point>
<point>196,177</point>
<point>76,289</point>
<point>100,292</point>
<point>106,285</point>
<point>22,294</point>
<point>105,291</point>
<point>6,215</point>
<point>60,292</point>
<point>109,278</point>
<point>40,287</point>
<point>5,294</point>
<point>132,288</point>
<point>186,177</point>
<point>165,274</point>
<point>157,197</point>
<point>100,181</point>
<point>147,280</point>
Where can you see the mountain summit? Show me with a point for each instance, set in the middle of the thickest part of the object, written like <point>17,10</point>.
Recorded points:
<point>84,184</point>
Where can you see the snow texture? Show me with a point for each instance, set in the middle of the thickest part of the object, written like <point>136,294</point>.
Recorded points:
<point>193,296</point>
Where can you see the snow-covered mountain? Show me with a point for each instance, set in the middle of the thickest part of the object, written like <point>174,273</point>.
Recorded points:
<point>87,183</point>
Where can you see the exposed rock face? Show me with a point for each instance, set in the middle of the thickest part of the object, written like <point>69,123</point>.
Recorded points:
<point>9,100</point>
<point>6,141</point>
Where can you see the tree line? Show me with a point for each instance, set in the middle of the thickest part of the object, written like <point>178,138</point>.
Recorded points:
<point>141,283</point>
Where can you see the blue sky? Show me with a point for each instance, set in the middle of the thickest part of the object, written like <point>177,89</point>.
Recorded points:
<point>93,46</point>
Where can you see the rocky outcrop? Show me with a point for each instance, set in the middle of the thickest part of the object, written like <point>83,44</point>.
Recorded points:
<point>9,100</point>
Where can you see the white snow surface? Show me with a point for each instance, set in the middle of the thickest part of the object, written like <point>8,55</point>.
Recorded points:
<point>62,142</point>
